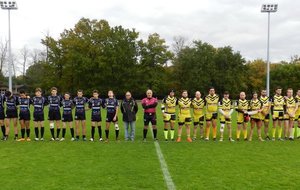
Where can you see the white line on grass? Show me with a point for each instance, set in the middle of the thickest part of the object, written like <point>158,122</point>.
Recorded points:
<point>163,165</point>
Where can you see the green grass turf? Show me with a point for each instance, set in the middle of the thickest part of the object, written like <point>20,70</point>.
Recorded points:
<point>134,165</point>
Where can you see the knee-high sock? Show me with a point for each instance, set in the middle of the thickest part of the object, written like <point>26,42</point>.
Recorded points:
<point>172,133</point>
<point>57,132</point>
<point>42,132</point>
<point>273,132</point>
<point>298,131</point>
<point>93,131</point>
<point>279,132</point>
<point>238,133</point>
<point>52,132</point>
<point>63,132</point>
<point>245,133</point>
<point>154,133</point>
<point>72,132</point>
<point>23,133</point>
<point>166,131</point>
<point>214,132</point>
<point>117,133</point>
<point>207,130</point>
<point>145,131</point>
<point>106,133</point>
<point>3,130</point>
<point>100,131</point>
<point>36,131</point>
<point>28,132</point>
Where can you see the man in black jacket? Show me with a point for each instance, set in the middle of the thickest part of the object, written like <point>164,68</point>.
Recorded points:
<point>129,109</point>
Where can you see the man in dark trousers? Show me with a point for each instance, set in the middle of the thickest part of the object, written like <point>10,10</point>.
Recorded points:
<point>129,108</point>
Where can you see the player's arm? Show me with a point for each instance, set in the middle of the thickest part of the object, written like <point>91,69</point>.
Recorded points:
<point>220,108</point>
<point>237,107</point>
<point>136,107</point>
<point>144,105</point>
<point>117,108</point>
<point>122,107</point>
<point>153,105</point>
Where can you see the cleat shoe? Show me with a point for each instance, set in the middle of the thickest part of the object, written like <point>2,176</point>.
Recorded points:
<point>238,139</point>
<point>215,139</point>
<point>267,138</point>
<point>246,139</point>
<point>172,139</point>
<point>16,138</point>
<point>261,139</point>
<point>166,140</point>
<point>57,139</point>
<point>62,139</point>
<point>28,139</point>
<point>273,139</point>
<point>91,139</point>
<point>100,139</point>
<point>250,139</point>
<point>206,139</point>
<point>280,139</point>
<point>42,139</point>
<point>21,139</point>
<point>72,139</point>
<point>36,139</point>
<point>221,140</point>
<point>231,140</point>
<point>298,137</point>
<point>291,138</point>
<point>76,139</point>
<point>84,139</point>
<point>178,139</point>
<point>194,138</point>
<point>52,139</point>
<point>189,139</point>
<point>286,138</point>
<point>144,140</point>
<point>106,141</point>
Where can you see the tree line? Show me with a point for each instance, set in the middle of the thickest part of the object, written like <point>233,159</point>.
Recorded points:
<point>95,55</point>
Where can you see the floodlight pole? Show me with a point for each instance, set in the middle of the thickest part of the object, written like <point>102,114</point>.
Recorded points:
<point>9,56</point>
<point>268,57</point>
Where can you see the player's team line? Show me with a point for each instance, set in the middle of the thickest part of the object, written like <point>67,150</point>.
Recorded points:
<point>258,110</point>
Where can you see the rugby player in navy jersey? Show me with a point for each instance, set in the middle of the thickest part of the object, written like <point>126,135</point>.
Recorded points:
<point>39,103</point>
<point>54,115</point>
<point>67,117</point>
<point>112,107</point>
<point>24,115</point>
<point>80,103</point>
<point>2,115</point>
<point>95,104</point>
<point>11,114</point>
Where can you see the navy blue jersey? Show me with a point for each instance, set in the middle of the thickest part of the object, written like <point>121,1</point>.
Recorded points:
<point>95,105</point>
<point>11,103</point>
<point>80,104</point>
<point>54,103</point>
<point>38,104</point>
<point>2,99</point>
<point>24,105</point>
<point>111,105</point>
<point>67,106</point>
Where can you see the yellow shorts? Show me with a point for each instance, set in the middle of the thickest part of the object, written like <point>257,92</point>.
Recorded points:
<point>210,115</point>
<point>184,119</point>
<point>169,117</point>
<point>242,118</point>
<point>198,119</point>
<point>278,115</point>
<point>288,117</point>
<point>225,120</point>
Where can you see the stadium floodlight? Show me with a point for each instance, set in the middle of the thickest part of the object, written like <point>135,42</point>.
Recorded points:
<point>9,5</point>
<point>268,8</point>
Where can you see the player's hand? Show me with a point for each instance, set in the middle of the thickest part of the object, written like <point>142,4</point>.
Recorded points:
<point>226,116</point>
<point>115,118</point>
<point>245,112</point>
<point>28,97</point>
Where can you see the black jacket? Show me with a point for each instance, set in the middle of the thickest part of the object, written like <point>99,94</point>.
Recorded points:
<point>129,108</point>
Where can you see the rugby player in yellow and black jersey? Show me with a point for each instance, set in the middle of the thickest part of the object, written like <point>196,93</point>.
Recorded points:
<point>291,105</point>
<point>256,117</point>
<point>168,108</point>
<point>297,115</point>
<point>211,115</point>
<point>277,110</point>
<point>198,114</point>
<point>266,101</point>
<point>226,109</point>
<point>184,116</point>
<point>242,107</point>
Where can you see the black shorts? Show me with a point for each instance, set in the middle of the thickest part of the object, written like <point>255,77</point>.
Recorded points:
<point>149,117</point>
<point>24,116</point>
<point>11,114</point>
<point>54,115</point>
<point>96,118</point>
<point>38,116</point>
<point>67,117</point>
<point>255,119</point>
<point>2,115</point>
<point>110,117</point>
<point>80,116</point>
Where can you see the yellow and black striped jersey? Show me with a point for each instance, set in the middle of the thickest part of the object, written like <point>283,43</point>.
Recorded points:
<point>169,104</point>
<point>242,105</point>
<point>198,105</point>
<point>298,100</point>
<point>291,104</point>
<point>255,105</point>
<point>184,105</point>
<point>266,102</point>
<point>212,103</point>
<point>225,104</point>
<point>278,103</point>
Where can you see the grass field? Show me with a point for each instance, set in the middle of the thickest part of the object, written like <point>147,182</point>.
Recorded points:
<point>135,165</point>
